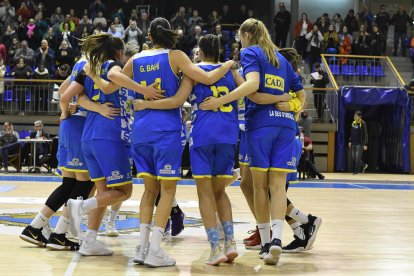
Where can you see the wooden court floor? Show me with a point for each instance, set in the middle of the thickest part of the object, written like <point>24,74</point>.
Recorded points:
<point>365,231</point>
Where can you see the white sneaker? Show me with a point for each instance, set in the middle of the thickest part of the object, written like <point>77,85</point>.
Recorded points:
<point>46,231</point>
<point>140,255</point>
<point>111,229</point>
<point>216,256</point>
<point>75,216</point>
<point>237,172</point>
<point>158,259</point>
<point>95,248</point>
<point>230,250</point>
<point>272,258</point>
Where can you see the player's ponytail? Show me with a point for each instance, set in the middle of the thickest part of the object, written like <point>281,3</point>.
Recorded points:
<point>210,46</point>
<point>292,56</point>
<point>161,33</point>
<point>100,48</point>
<point>260,36</point>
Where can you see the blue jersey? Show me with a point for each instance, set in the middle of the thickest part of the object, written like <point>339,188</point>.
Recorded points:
<point>97,127</point>
<point>213,126</point>
<point>275,81</point>
<point>148,67</point>
<point>77,68</point>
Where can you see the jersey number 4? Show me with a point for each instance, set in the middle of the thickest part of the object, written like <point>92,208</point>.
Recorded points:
<point>219,91</point>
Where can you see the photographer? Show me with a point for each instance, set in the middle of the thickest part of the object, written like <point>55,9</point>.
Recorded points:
<point>320,81</point>
<point>315,37</point>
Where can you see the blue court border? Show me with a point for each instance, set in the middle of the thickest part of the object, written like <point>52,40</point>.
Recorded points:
<point>306,184</point>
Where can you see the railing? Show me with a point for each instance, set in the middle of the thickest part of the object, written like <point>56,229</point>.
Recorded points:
<point>19,96</point>
<point>363,71</point>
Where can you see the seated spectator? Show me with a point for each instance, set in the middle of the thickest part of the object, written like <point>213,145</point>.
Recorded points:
<point>41,89</point>
<point>315,37</point>
<point>345,44</point>
<point>307,157</point>
<point>68,20</point>
<point>24,12</point>
<point>143,24</point>
<point>8,36</point>
<point>21,71</point>
<point>15,45</point>
<point>8,143</point>
<point>84,23</point>
<point>57,18</point>
<point>45,55</point>
<point>362,42</point>
<point>42,149</point>
<point>319,95</point>
<point>65,55</point>
<point>377,41</point>
<point>194,20</point>
<point>62,72</point>
<point>181,43</point>
<point>67,35</point>
<point>51,39</point>
<point>118,26</point>
<point>7,13</point>
<point>113,31</point>
<point>223,40</point>
<point>120,14</point>
<point>73,17</point>
<point>99,20</point>
<point>213,19</point>
<point>330,39</point>
<point>133,34</point>
<point>30,34</point>
<point>24,52</point>
<point>192,40</point>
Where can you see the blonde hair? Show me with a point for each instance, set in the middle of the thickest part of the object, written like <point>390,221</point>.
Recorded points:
<point>100,48</point>
<point>259,35</point>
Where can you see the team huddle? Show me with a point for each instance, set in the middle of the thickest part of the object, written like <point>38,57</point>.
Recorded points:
<point>131,113</point>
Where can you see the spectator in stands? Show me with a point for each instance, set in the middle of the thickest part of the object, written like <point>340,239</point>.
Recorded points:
<point>213,19</point>
<point>96,7</point>
<point>70,22</point>
<point>383,21</point>
<point>226,16</point>
<point>118,27</point>
<point>40,90</point>
<point>345,44</point>
<point>8,143</point>
<point>242,16</point>
<point>67,35</point>
<point>315,37</point>
<point>337,22</point>
<point>84,23</point>
<point>21,71</point>
<point>400,20</point>
<point>367,18</point>
<point>194,20</point>
<point>323,24</point>
<point>305,122</point>
<point>235,56</point>
<point>134,15</point>
<point>41,27</point>
<point>30,5</point>
<point>51,38</point>
<point>45,55</point>
<point>65,54</point>
<point>179,21</point>
<point>2,74</point>
<point>9,34</point>
<point>362,42</point>
<point>99,21</point>
<point>42,149</point>
<point>119,12</point>
<point>113,31</point>
<point>24,12</point>
<point>181,43</point>
<point>282,25</point>
<point>73,17</point>
<point>7,13</point>
<point>302,28</point>
<point>330,40</point>
<point>377,41</point>
<point>62,72</point>
<point>143,24</point>
<point>21,28</point>
<point>30,34</point>
<point>15,45</point>
<point>3,52</point>
<point>192,39</point>
<point>223,40</point>
<point>358,142</point>
<point>57,17</point>
<point>351,22</point>
<point>133,35</point>
<point>24,52</point>
<point>319,95</point>
<point>40,7</point>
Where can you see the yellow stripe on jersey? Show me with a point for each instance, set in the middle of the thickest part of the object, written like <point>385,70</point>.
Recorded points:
<point>259,169</point>
<point>224,176</point>
<point>168,178</point>
<point>282,170</point>
<point>202,176</point>
<point>294,182</point>
<point>244,163</point>
<point>140,175</point>
<point>119,184</point>
<point>75,170</point>
<point>97,179</point>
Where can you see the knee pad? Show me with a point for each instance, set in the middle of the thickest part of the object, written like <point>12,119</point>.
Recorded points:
<point>82,188</point>
<point>61,194</point>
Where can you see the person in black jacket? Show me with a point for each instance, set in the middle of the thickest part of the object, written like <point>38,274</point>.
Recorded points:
<point>400,20</point>
<point>319,95</point>
<point>21,71</point>
<point>358,142</point>
<point>383,21</point>
<point>282,25</point>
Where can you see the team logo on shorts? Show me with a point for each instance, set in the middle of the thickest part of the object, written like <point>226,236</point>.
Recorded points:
<point>167,170</point>
<point>292,162</point>
<point>75,162</point>
<point>115,175</point>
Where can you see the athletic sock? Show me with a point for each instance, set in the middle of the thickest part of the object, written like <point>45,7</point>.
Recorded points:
<point>90,236</point>
<point>264,230</point>
<point>297,230</point>
<point>213,237</point>
<point>144,233</point>
<point>156,238</point>
<point>174,203</point>
<point>62,225</point>
<point>39,221</point>
<point>228,230</point>
<point>112,216</point>
<point>298,215</point>
<point>277,228</point>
